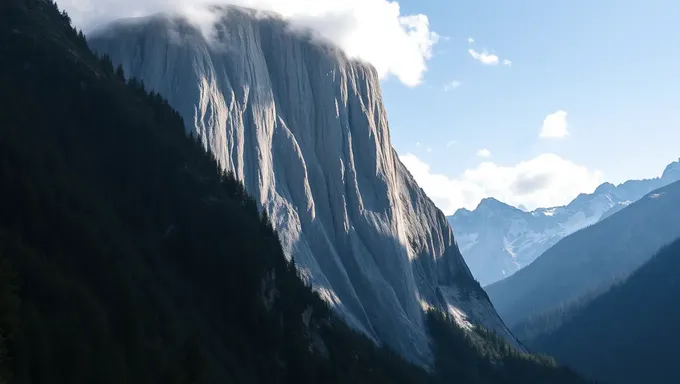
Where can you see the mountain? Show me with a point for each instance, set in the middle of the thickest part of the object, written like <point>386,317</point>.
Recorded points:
<point>304,128</point>
<point>127,255</point>
<point>591,260</point>
<point>498,240</point>
<point>630,333</point>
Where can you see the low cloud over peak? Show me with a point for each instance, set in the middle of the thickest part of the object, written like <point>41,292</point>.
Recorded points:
<point>371,30</point>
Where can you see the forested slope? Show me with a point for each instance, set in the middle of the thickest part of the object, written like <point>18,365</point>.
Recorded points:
<point>127,255</point>
<point>591,260</point>
<point>630,333</point>
<point>135,260</point>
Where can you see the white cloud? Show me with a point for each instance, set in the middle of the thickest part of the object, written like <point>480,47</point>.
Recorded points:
<point>371,30</point>
<point>451,86</point>
<point>418,144</point>
<point>484,153</point>
<point>450,143</point>
<point>484,57</point>
<point>429,149</point>
<point>555,125</point>
<point>544,181</point>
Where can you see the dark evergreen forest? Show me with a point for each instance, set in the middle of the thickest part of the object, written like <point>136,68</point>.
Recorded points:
<point>128,256</point>
<point>481,356</point>
<point>630,333</point>
<point>588,262</point>
<point>546,322</point>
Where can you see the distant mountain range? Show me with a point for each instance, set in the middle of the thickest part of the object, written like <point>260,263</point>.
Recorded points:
<point>591,260</point>
<point>497,239</point>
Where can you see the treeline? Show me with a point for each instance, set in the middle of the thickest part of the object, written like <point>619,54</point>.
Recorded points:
<point>481,356</point>
<point>541,324</point>
<point>629,334</point>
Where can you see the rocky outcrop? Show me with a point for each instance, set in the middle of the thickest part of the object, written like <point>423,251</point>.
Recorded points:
<point>305,129</point>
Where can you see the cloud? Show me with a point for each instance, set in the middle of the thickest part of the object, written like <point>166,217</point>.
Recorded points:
<point>528,183</point>
<point>484,153</point>
<point>429,149</point>
<point>555,125</point>
<point>484,57</point>
<point>451,86</point>
<point>371,30</point>
<point>450,143</point>
<point>544,181</point>
<point>418,144</point>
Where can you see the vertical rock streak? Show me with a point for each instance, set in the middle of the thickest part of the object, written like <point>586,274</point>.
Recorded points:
<point>305,129</point>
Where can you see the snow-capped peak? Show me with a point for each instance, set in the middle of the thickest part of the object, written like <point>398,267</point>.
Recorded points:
<point>509,239</point>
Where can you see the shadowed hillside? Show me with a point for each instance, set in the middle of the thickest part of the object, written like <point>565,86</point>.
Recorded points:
<point>126,254</point>
<point>630,333</point>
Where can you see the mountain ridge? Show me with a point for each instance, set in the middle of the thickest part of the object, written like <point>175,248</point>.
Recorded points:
<point>128,255</point>
<point>304,128</point>
<point>591,259</point>
<point>598,343</point>
<point>497,240</point>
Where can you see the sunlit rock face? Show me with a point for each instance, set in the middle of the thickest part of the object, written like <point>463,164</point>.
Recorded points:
<point>304,127</point>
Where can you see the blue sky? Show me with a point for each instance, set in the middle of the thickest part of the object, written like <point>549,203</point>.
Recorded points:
<point>612,66</point>
<point>604,70</point>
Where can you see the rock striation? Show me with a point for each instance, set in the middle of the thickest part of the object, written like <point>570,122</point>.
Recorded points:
<point>305,129</point>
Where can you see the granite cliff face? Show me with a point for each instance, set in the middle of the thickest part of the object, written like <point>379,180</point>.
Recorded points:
<point>498,240</point>
<point>305,129</point>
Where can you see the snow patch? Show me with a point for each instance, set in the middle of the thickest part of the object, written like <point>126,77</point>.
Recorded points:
<point>549,212</point>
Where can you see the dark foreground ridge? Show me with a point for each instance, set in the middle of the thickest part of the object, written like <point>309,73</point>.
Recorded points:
<point>630,333</point>
<point>128,256</point>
